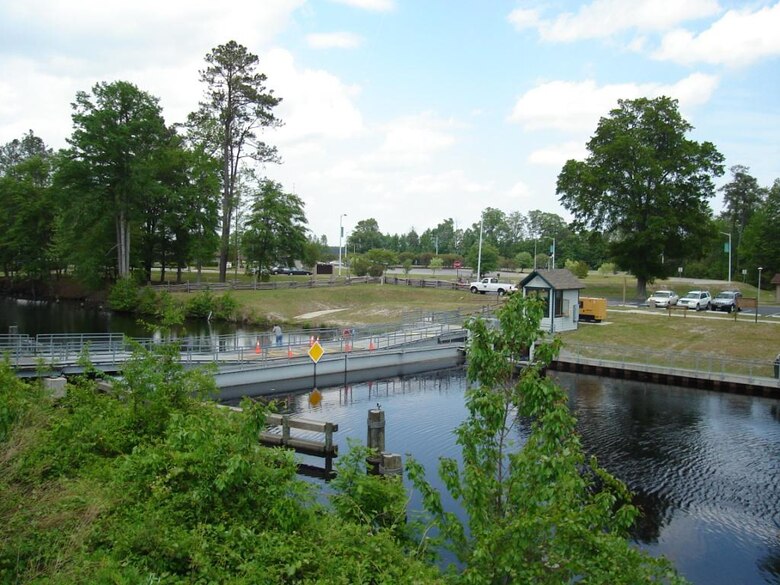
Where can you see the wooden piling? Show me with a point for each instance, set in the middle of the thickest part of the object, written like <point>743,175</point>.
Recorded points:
<point>376,436</point>
<point>391,464</point>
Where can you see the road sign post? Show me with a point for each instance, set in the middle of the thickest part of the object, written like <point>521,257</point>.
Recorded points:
<point>315,353</point>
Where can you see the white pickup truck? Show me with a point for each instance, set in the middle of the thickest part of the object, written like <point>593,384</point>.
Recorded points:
<point>491,285</point>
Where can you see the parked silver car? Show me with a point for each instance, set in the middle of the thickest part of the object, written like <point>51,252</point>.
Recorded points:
<point>663,298</point>
<point>696,299</point>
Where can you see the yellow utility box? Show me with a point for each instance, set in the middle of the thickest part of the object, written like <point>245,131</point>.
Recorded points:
<point>593,309</point>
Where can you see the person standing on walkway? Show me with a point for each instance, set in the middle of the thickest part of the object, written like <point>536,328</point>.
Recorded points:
<point>278,334</point>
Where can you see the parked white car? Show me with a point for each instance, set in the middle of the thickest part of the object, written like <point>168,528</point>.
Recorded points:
<point>696,299</point>
<point>663,298</point>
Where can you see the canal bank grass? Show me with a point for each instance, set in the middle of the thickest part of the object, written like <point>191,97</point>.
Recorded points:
<point>359,304</point>
<point>697,333</point>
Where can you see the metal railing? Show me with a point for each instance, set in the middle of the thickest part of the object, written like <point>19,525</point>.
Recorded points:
<point>242,347</point>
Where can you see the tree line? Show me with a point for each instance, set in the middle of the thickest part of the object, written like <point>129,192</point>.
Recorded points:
<point>132,191</point>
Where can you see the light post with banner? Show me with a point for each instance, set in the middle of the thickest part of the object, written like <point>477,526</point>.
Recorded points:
<point>729,251</point>
<point>341,236</point>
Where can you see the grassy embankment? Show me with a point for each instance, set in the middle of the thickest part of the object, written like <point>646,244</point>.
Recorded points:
<point>708,333</point>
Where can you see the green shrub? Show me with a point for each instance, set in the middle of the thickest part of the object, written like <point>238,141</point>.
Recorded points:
<point>607,268</point>
<point>148,303</point>
<point>578,268</point>
<point>359,266</point>
<point>123,296</point>
<point>13,397</point>
<point>200,305</point>
<point>376,270</point>
<point>225,307</point>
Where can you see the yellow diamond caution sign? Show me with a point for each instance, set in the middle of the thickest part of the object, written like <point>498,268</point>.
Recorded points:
<point>316,352</point>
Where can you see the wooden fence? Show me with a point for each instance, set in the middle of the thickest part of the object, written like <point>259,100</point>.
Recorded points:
<point>188,287</point>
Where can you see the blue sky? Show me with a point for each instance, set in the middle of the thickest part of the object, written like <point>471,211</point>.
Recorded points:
<point>411,112</point>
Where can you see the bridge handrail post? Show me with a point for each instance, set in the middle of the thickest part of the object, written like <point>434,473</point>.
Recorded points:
<point>285,429</point>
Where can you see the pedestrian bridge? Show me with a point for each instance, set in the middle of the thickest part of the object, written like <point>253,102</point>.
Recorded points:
<point>248,358</point>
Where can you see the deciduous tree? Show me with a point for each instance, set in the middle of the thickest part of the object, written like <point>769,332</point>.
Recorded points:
<point>645,184</point>
<point>276,229</point>
<point>741,197</point>
<point>538,510</point>
<point>761,241</point>
<point>365,236</point>
<point>109,170</point>
<point>28,209</point>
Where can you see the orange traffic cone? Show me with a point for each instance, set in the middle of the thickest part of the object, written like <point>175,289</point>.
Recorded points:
<point>347,346</point>
<point>289,352</point>
<point>311,341</point>
<point>371,346</point>
<point>257,347</point>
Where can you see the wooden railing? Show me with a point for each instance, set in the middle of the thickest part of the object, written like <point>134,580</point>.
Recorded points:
<point>325,448</point>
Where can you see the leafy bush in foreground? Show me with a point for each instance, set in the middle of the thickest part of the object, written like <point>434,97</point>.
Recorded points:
<point>149,484</point>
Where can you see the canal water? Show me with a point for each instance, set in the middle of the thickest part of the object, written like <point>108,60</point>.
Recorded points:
<point>705,466</point>
<point>34,317</point>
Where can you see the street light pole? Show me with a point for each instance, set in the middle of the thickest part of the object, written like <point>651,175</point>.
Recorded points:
<point>479,251</point>
<point>729,235</point>
<point>553,254</point>
<point>341,235</point>
<point>758,291</point>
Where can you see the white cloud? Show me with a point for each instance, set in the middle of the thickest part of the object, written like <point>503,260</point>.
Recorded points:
<point>315,103</point>
<point>412,140</point>
<point>444,183</point>
<point>605,18</point>
<point>520,191</point>
<point>575,106</point>
<point>51,50</point>
<point>523,18</point>
<point>557,154</point>
<point>737,39</point>
<point>335,40</point>
<point>374,5</point>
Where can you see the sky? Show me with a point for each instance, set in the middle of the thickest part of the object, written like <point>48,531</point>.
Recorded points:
<point>414,111</point>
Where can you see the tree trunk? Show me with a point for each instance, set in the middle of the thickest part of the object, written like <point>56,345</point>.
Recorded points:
<point>123,245</point>
<point>227,204</point>
<point>641,287</point>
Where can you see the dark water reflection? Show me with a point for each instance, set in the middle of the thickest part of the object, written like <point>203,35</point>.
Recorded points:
<point>34,317</point>
<point>705,466</point>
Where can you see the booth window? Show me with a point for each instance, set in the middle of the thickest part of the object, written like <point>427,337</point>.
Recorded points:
<point>544,295</point>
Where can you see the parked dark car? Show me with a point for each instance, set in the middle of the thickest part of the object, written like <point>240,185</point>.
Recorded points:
<point>727,300</point>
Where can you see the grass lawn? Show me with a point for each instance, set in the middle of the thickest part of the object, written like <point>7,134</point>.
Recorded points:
<point>703,333</point>
<point>360,304</point>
